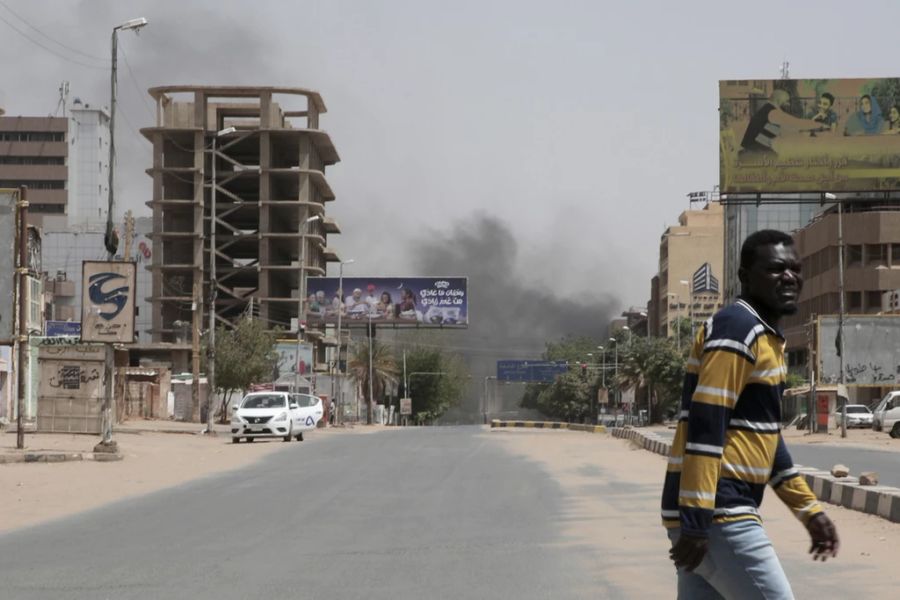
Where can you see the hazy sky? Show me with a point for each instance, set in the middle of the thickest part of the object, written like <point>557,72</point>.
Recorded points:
<point>576,127</point>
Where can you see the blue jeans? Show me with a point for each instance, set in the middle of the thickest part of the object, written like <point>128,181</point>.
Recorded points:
<point>740,565</point>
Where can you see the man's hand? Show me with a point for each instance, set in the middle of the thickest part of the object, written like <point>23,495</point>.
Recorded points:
<point>824,537</point>
<point>688,551</point>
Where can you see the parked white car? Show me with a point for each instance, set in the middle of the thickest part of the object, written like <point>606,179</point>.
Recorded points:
<point>858,415</point>
<point>887,414</point>
<point>275,414</point>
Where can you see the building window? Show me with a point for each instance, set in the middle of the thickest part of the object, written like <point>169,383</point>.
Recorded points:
<point>854,255</point>
<point>876,255</point>
<point>854,301</point>
<point>33,185</point>
<point>32,160</point>
<point>873,301</point>
<point>47,209</point>
<point>895,255</point>
<point>32,136</point>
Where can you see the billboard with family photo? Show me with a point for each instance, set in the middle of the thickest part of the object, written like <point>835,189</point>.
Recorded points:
<point>395,301</point>
<point>809,135</point>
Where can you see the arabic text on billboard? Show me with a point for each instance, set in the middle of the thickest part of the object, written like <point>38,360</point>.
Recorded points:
<point>397,301</point>
<point>809,135</point>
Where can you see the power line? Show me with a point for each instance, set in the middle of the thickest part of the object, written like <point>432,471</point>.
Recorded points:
<point>57,42</point>
<point>137,85</point>
<point>51,50</point>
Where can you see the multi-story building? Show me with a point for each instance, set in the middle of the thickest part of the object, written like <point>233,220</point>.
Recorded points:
<point>64,162</point>
<point>34,152</point>
<point>871,232</point>
<point>267,178</point>
<point>690,262</point>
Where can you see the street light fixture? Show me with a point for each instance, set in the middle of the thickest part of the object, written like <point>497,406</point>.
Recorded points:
<point>110,241</point>
<point>340,313</point>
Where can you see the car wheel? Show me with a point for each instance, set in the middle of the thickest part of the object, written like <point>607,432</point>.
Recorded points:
<point>235,440</point>
<point>895,432</point>
<point>250,439</point>
<point>289,435</point>
<point>300,437</point>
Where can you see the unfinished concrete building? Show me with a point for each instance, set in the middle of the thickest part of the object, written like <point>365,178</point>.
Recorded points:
<point>258,155</point>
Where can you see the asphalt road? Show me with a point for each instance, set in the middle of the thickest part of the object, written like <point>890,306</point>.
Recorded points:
<point>824,456</point>
<point>410,514</point>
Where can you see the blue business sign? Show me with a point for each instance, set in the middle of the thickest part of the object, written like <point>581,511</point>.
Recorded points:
<point>530,370</point>
<point>63,328</point>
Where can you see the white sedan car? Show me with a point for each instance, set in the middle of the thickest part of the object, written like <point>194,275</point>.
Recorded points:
<point>275,414</point>
<point>858,415</point>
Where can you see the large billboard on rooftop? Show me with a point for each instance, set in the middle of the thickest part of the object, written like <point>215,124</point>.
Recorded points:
<point>809,135</point>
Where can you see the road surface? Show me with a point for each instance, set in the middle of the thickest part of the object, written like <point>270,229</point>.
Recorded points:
<point>457,513</point>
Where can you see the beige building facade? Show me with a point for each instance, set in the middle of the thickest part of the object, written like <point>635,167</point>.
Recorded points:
<point>687,285</point>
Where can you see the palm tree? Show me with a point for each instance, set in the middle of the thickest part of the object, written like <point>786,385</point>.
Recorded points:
<point>383,368</point>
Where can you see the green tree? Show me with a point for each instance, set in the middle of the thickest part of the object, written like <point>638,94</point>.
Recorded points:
<point>433,394</point>
<point>655,365</point>
<point>383,369</point>
<point>244,355</point>
<point>570,396</point>
<point>567,398</point>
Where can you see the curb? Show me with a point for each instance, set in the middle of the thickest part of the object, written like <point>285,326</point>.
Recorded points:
<point>880,500</point>
<point>58,457</point>
<point>549,425</point>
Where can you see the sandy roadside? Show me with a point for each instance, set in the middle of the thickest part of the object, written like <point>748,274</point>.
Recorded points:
<point>623,541</point>
<point>34,492</point>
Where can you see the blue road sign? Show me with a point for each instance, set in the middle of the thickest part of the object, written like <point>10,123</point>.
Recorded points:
<point>63,328</point>
<point>529,370</point>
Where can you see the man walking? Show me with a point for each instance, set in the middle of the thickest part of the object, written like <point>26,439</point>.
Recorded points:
<point>728,443</point>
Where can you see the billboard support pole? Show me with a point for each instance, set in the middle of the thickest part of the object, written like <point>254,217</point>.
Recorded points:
<point>22,206</point>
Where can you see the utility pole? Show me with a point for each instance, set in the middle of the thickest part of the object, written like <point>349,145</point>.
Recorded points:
<point>22,211</point>
<point>370,407</point>
<point>840,225</point>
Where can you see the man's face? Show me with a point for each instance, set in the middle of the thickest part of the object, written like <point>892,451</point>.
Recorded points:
<point>824,104</point>
<point>774,281</point>
<point>357,294</point>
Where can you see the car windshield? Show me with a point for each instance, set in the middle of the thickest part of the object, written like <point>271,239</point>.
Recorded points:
<point>305,401</point>
<point>857,409</point>
<point>267,401</point>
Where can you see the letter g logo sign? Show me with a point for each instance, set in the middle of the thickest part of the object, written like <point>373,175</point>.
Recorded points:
<point>116,296</point>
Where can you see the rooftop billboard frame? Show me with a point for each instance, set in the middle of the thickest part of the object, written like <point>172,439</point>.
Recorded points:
<point>786,136</point>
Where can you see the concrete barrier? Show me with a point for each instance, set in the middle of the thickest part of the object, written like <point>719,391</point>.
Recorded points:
<point>549,425</point>
<point>880,500</point>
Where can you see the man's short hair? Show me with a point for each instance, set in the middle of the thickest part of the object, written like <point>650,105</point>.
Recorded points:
<point>829,97</point>
<point>763,237</point>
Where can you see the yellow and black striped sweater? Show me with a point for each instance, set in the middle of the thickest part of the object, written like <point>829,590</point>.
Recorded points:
<point>728,443</point>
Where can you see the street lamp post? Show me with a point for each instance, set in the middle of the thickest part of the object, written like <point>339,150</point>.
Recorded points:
<point>340,393</point>
<point>213,289</point>
<point>301,315</point>
<point>616,371</point>
<point>840,342</point>
<point>135,25</point>
<point>110,241</point>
